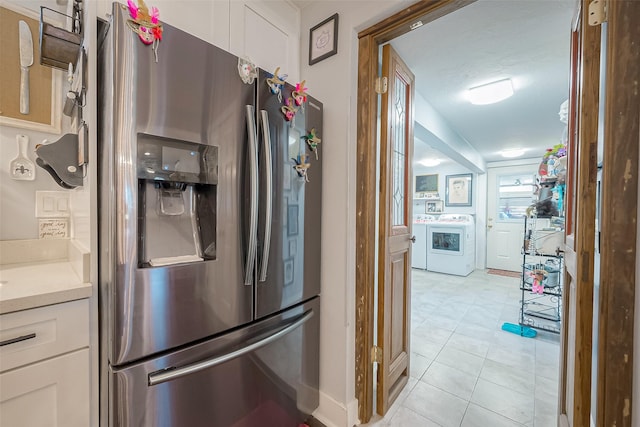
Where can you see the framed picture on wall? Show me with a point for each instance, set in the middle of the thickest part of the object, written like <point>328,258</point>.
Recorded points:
<point>323,40</point>
<point>433,206</point>
<point>458,190</point>
<point>425,185</point>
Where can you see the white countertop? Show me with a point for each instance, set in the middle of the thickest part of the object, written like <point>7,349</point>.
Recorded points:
<point>30,285</point>
<point>26,285</point>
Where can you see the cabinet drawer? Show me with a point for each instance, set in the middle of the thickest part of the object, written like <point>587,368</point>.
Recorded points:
<point>51,393</point>
<point>31,335</point>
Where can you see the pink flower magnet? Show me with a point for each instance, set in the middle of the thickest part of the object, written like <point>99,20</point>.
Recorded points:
<point>146,25</point>
<point>289,110</point>
<point>300,94</point>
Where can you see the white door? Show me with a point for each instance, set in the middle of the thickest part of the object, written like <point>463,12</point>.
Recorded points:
<point>509,193</point>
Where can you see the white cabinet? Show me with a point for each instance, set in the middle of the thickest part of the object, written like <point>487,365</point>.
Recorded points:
<point>44,366</point>
<point>54,392</point>
<point>268,33</point>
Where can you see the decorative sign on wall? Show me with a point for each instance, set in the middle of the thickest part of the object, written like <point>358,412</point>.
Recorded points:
<point>53,228</point>
<point>323,40</point>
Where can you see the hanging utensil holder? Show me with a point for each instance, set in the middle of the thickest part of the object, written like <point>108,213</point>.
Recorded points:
<point>60,47</point>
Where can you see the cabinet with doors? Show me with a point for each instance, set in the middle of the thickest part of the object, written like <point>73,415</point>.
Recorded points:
<point>44,366</point>
<point>542,279</point>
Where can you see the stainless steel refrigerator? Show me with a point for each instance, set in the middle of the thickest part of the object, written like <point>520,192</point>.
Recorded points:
<point>209,239</point>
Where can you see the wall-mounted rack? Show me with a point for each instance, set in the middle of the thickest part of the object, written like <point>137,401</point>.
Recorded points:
<point>60,47</point>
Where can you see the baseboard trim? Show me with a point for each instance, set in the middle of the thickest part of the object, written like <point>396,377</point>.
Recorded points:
<point>563,420</point>
<point>332,413</point>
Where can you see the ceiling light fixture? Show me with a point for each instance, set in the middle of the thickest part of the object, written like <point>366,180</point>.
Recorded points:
<point>429,162</point>
<point>513,152</point>
<point>490,93</point>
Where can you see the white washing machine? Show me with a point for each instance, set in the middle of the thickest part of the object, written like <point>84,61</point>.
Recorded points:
<point>451,244</point>
<point>419,248</point>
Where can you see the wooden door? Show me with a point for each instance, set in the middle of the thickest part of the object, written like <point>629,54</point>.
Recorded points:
<point>577,326</point>
<point>509,194</point>
<point>394,277</point>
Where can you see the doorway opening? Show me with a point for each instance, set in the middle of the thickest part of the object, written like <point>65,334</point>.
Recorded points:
<point>478,207</point>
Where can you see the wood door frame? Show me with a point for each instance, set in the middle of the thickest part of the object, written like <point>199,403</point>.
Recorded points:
<point>619,217</point>
<point>369,42</point>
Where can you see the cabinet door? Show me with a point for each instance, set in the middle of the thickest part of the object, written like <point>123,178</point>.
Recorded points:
<point>269,34</point>
<point>50,393</point>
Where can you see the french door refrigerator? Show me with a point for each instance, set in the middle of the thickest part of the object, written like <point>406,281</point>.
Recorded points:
<point>209,239</point>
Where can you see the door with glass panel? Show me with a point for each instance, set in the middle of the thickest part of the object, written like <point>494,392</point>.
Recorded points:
<point>394,269</point>
<point>510,191</point>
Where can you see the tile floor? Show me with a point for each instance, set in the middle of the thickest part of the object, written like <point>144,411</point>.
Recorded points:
<point>466,371</point>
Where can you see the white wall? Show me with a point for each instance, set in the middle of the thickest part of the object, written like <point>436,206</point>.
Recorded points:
<point>17,198</point>
<point>334,82</point>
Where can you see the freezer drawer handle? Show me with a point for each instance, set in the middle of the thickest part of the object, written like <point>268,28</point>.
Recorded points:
<point>17,339</point>
<point>266,136</point>
<point>170,374</point>
<point>253,176</point>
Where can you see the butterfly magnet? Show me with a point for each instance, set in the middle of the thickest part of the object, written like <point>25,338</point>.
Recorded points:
<point>289,110</point>
<point>300,94</point>
<point>302,166</point>
<point>312,141</point>
<point>276,83</point>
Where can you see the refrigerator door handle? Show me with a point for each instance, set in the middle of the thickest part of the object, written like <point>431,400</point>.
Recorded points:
<point>173,373</point>
<point>253,176</point>
<point>268,179</point>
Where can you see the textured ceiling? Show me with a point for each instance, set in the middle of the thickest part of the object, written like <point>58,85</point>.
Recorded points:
<point>525,40</point>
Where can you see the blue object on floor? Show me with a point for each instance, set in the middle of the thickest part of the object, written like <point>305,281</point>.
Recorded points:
<point>523,331</point>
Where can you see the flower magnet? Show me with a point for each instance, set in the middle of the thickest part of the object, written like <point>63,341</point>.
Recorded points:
<point>247,70</point>
<point>146,25</point>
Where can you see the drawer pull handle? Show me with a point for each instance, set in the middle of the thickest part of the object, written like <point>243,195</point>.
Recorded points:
<point>17,339</point>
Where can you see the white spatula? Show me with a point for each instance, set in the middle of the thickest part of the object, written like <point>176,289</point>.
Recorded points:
<point>21,168</point>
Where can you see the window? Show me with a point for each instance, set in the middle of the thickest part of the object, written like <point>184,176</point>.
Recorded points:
<point>515,195</point>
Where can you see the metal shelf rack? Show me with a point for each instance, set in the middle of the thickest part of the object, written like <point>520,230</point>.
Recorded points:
<point>541,282</point>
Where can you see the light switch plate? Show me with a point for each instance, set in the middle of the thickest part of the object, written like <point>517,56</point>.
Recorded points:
<point>52,204</point>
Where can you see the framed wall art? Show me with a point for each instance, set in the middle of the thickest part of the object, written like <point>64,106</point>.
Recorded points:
<point>433,206</point>
<point>458,190</point>
<point>30,93</point>
<point>323,40</point>
<point>425,185</point>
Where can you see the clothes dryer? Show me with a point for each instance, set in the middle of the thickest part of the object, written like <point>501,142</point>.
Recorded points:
<point>451,244</point>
